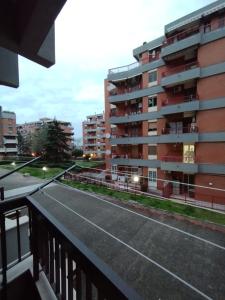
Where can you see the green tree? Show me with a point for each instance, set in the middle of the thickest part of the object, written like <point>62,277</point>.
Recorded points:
<point>77,152</point>
<point>56,147</point>
<point>39,140</point>
<point>24,144</point>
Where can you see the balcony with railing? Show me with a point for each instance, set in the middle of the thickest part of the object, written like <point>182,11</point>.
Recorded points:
<point>125,90</point>
<point>180,103</point>
<point>181,73</point>
<point>188,128</point>
<point>126,68</point>
<point>190,37</point>
<point>184,163</point>
<point>179,133</point>
<point>181,35</point>
<point>70,268</point>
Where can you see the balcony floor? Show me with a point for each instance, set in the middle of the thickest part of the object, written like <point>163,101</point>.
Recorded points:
<point>157,256</point>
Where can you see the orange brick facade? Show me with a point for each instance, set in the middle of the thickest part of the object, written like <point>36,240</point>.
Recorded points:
<point>94,145</point>
<point>8,135</point>
<point>184,89</point>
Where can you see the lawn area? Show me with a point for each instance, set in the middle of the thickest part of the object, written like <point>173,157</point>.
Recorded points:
<point>36,171</point>
<point>167,205</point>
<point>89,164</point>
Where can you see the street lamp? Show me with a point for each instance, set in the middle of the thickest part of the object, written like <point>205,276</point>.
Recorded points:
<point>44,169</point>
<point>135,180</point>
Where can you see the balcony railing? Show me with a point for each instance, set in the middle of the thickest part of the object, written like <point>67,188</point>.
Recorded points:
<point>127,156</point>
<point>179,158</point>
<point>193,30</point>
<point>180,68</point>
<point>177,99</point>
<point>187,129</point>
<point>150,58</point>
<point>124,68</point>
<point>182,35</point>
<point>123,90</point>
<point>67,263</point>
<point>125,135</point>
<point>125,113</point>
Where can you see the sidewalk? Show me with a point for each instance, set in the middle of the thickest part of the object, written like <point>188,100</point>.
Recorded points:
<point>22,191</point>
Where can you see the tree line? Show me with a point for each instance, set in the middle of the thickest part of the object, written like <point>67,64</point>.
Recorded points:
<point>49,141</point>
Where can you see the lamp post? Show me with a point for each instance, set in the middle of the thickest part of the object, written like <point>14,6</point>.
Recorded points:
<point>44,169</point>
<point>135,180</point>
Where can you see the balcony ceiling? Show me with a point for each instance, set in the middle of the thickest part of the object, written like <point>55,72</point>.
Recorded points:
<point>27,28</point>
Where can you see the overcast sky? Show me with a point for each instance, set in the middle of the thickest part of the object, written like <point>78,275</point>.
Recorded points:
<point>91,37</point>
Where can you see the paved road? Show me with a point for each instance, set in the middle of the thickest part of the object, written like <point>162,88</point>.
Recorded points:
<point>161,259</point>
<point>17,180</point>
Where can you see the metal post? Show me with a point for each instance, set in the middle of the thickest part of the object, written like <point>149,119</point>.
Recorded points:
<point>3,251</point>
<point>2,196</point>
<point>34,241</point>
<point>18,234</point>
<point>20,167</point>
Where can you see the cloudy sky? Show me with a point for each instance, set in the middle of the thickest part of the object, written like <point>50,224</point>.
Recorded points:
<point>91,37</point>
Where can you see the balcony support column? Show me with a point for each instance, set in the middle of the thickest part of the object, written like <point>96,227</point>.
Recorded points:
<point>4,253</point>
<point>34,242</point>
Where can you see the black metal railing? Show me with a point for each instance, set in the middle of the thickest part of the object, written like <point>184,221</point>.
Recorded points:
<point>72,269</point>
<point>20,167</point>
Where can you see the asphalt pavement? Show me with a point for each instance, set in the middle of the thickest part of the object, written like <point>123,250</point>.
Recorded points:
<point>17,180</point>
<point>159,258</point>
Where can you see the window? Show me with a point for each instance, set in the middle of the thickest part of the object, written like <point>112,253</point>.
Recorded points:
<point>152,177</point>
<point>189,153</point>
<point>152,127</point>
<point>152,150</point>
<point>153,77</point>
<point>152,101</point>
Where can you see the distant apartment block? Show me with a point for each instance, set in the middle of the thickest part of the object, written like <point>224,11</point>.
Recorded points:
<point>32,127</point>
<point>8,135</point>
<point>94,136</point>
<point>165,113</point>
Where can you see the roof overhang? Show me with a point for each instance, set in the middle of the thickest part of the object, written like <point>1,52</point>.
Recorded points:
<point>27,29</point>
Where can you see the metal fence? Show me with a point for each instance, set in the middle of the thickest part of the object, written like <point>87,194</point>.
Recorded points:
<point>198,195</point>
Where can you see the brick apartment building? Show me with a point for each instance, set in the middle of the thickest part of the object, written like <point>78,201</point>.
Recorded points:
<point>165,114</point>
<point>8,135</point>
<point>94,136</point>
<point>32,127</point>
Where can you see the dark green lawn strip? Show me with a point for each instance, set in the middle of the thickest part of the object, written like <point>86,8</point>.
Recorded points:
<point>89,164</point>
<point>166,205</point>
<point>36,172</point>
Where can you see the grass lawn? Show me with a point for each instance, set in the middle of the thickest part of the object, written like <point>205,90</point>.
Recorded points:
<point>35,171</point>
<point>89,164</point>
<point>167,205</point>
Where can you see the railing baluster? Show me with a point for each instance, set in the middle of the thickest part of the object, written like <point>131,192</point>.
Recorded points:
<point>51,258</point>
<point>57,268</point>
<point>63,273</point>
<point>46,252</point>
<point>35,247</point>
<point>78,283</point>
<point>88,288</point>
<point>2,196</point>
<point>18,235</point>
<point>92,278</point>
<point>70,278</point>
<point>3,251</point>
<point>100,295</point>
